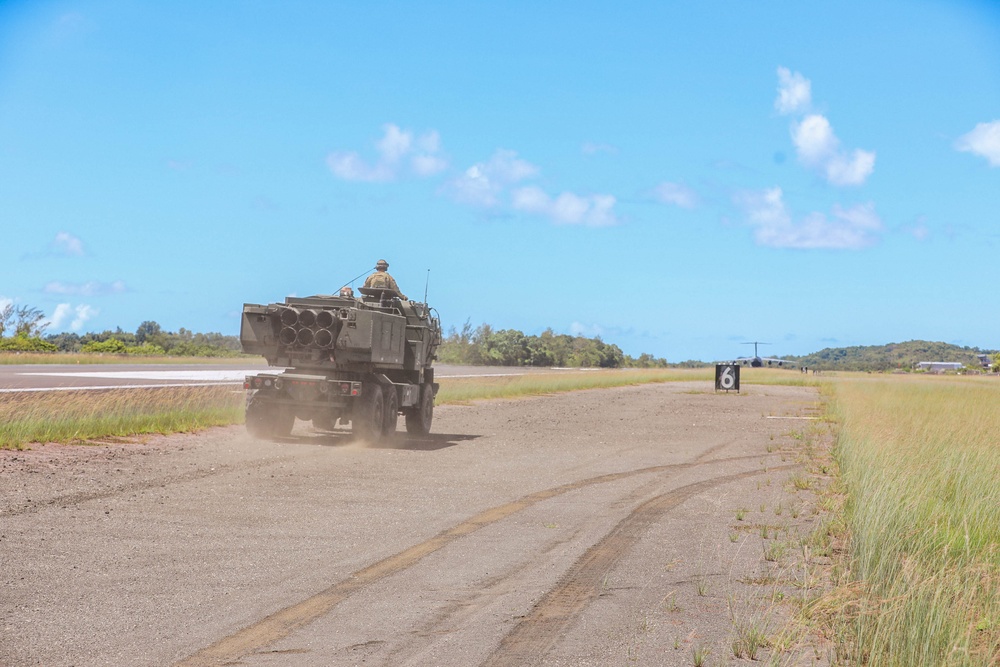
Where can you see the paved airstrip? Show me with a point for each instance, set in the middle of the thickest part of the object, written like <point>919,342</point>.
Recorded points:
<point>29,378</point>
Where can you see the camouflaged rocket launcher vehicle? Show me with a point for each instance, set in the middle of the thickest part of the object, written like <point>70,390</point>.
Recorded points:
<point>359,360</point>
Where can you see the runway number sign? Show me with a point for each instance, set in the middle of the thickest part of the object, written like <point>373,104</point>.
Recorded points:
<point>727,377</point>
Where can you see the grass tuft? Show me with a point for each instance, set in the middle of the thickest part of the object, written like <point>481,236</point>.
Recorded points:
<point>87,416</point>
<point>921,469</point>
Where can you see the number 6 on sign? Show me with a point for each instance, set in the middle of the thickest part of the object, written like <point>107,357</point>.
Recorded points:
<point>727,377</point>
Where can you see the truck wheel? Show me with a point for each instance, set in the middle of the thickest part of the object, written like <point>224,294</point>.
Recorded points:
<point>266,421</point>
<point>258,421</point>
<point>419,418</point>
<point>391,412</point>
<point>370,415</point>
<point>282,420</point>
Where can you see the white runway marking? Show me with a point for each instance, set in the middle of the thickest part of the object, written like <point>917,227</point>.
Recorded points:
<point>484,375</point>
<point>179,376</point>
<point>117,387</point>
<point>789,417</point>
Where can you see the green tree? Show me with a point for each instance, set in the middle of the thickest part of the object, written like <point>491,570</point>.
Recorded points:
<point>29,322</point>
<point>146,331</point>
<point>65,341</point>
<point>6,316</point>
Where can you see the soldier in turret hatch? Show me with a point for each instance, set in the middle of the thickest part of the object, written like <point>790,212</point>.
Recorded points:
<point>381,278</point>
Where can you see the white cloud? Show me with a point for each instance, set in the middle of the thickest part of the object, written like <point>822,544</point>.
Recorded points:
<point>393,148</point>
<point>814,139</point>
<point>428,165</point>
<point>918,229</point>
<point>815,142</point>
<point>91,288</point>
<point>844,229</point>
<point>676,194</point>
<point>794,92</point>
<point>59,315</point>
<point>494,183</point>
<point>427,161</point>
<point>567,208</point>
<point>592,148</point>
<point>83,313</point>
<point>819,148</point>
<point>394,144</point>
<point>350,167</point>
<point>983,140</point>
<point>67,244</point>
<point>77,316</point>
<point>484,183</point>
<point>853,170</point>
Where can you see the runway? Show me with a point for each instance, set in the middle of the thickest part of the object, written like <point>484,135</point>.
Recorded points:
<point>90,377</point>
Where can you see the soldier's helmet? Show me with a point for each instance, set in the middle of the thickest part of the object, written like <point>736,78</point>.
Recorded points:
<point>346,291</point>
<point>382,265</point>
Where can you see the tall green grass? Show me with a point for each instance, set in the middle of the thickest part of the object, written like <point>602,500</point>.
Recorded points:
<point>82,416</point>
<point>920,464</point>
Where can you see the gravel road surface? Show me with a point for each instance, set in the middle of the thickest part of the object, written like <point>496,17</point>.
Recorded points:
<point>591,528</point>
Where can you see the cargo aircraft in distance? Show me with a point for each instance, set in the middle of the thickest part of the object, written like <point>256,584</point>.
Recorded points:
<point>756,361</point>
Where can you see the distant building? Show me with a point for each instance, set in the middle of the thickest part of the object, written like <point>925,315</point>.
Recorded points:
<point>939,366</point>
<point>985,360</point>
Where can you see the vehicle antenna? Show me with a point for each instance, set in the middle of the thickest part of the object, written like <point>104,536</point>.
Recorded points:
<point>352,280</point>
<point>427,284</point>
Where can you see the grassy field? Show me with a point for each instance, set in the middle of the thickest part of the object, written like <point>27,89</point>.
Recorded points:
<point>919,461</point>
<point>87,416</point>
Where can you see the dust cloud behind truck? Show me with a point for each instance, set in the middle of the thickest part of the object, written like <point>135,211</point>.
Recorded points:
<point>362,361</point>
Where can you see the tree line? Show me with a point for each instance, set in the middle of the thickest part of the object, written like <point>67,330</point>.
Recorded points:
<point>486,346</point>
<point>149,339</point>
<point>895,356</point>
<point>26,327</point>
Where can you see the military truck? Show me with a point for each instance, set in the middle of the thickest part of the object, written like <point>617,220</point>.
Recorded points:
<point>345,360</point>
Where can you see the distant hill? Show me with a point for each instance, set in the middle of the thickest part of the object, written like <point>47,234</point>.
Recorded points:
<point>888,357</point>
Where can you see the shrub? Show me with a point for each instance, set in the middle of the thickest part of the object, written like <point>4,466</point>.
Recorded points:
<point>146,350</point>
<point>109,346</point>
<point>26,344</point>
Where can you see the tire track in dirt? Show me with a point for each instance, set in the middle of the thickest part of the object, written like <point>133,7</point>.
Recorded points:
<point>85,496</point>
<point>280,624</point>
<point>535,635</point>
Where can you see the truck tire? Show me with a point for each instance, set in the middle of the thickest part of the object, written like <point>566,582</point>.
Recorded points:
<point>369,417</point>
<point>391,412</point>
<point>419,417</point>
<point>282,421</point>
<point>265,420</point>
<point>257,419</point>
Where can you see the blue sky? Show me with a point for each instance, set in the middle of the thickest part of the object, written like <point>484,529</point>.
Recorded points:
<point>675,177</point>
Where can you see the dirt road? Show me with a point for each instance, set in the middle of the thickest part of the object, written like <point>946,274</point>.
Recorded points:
<point>593,528</point>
